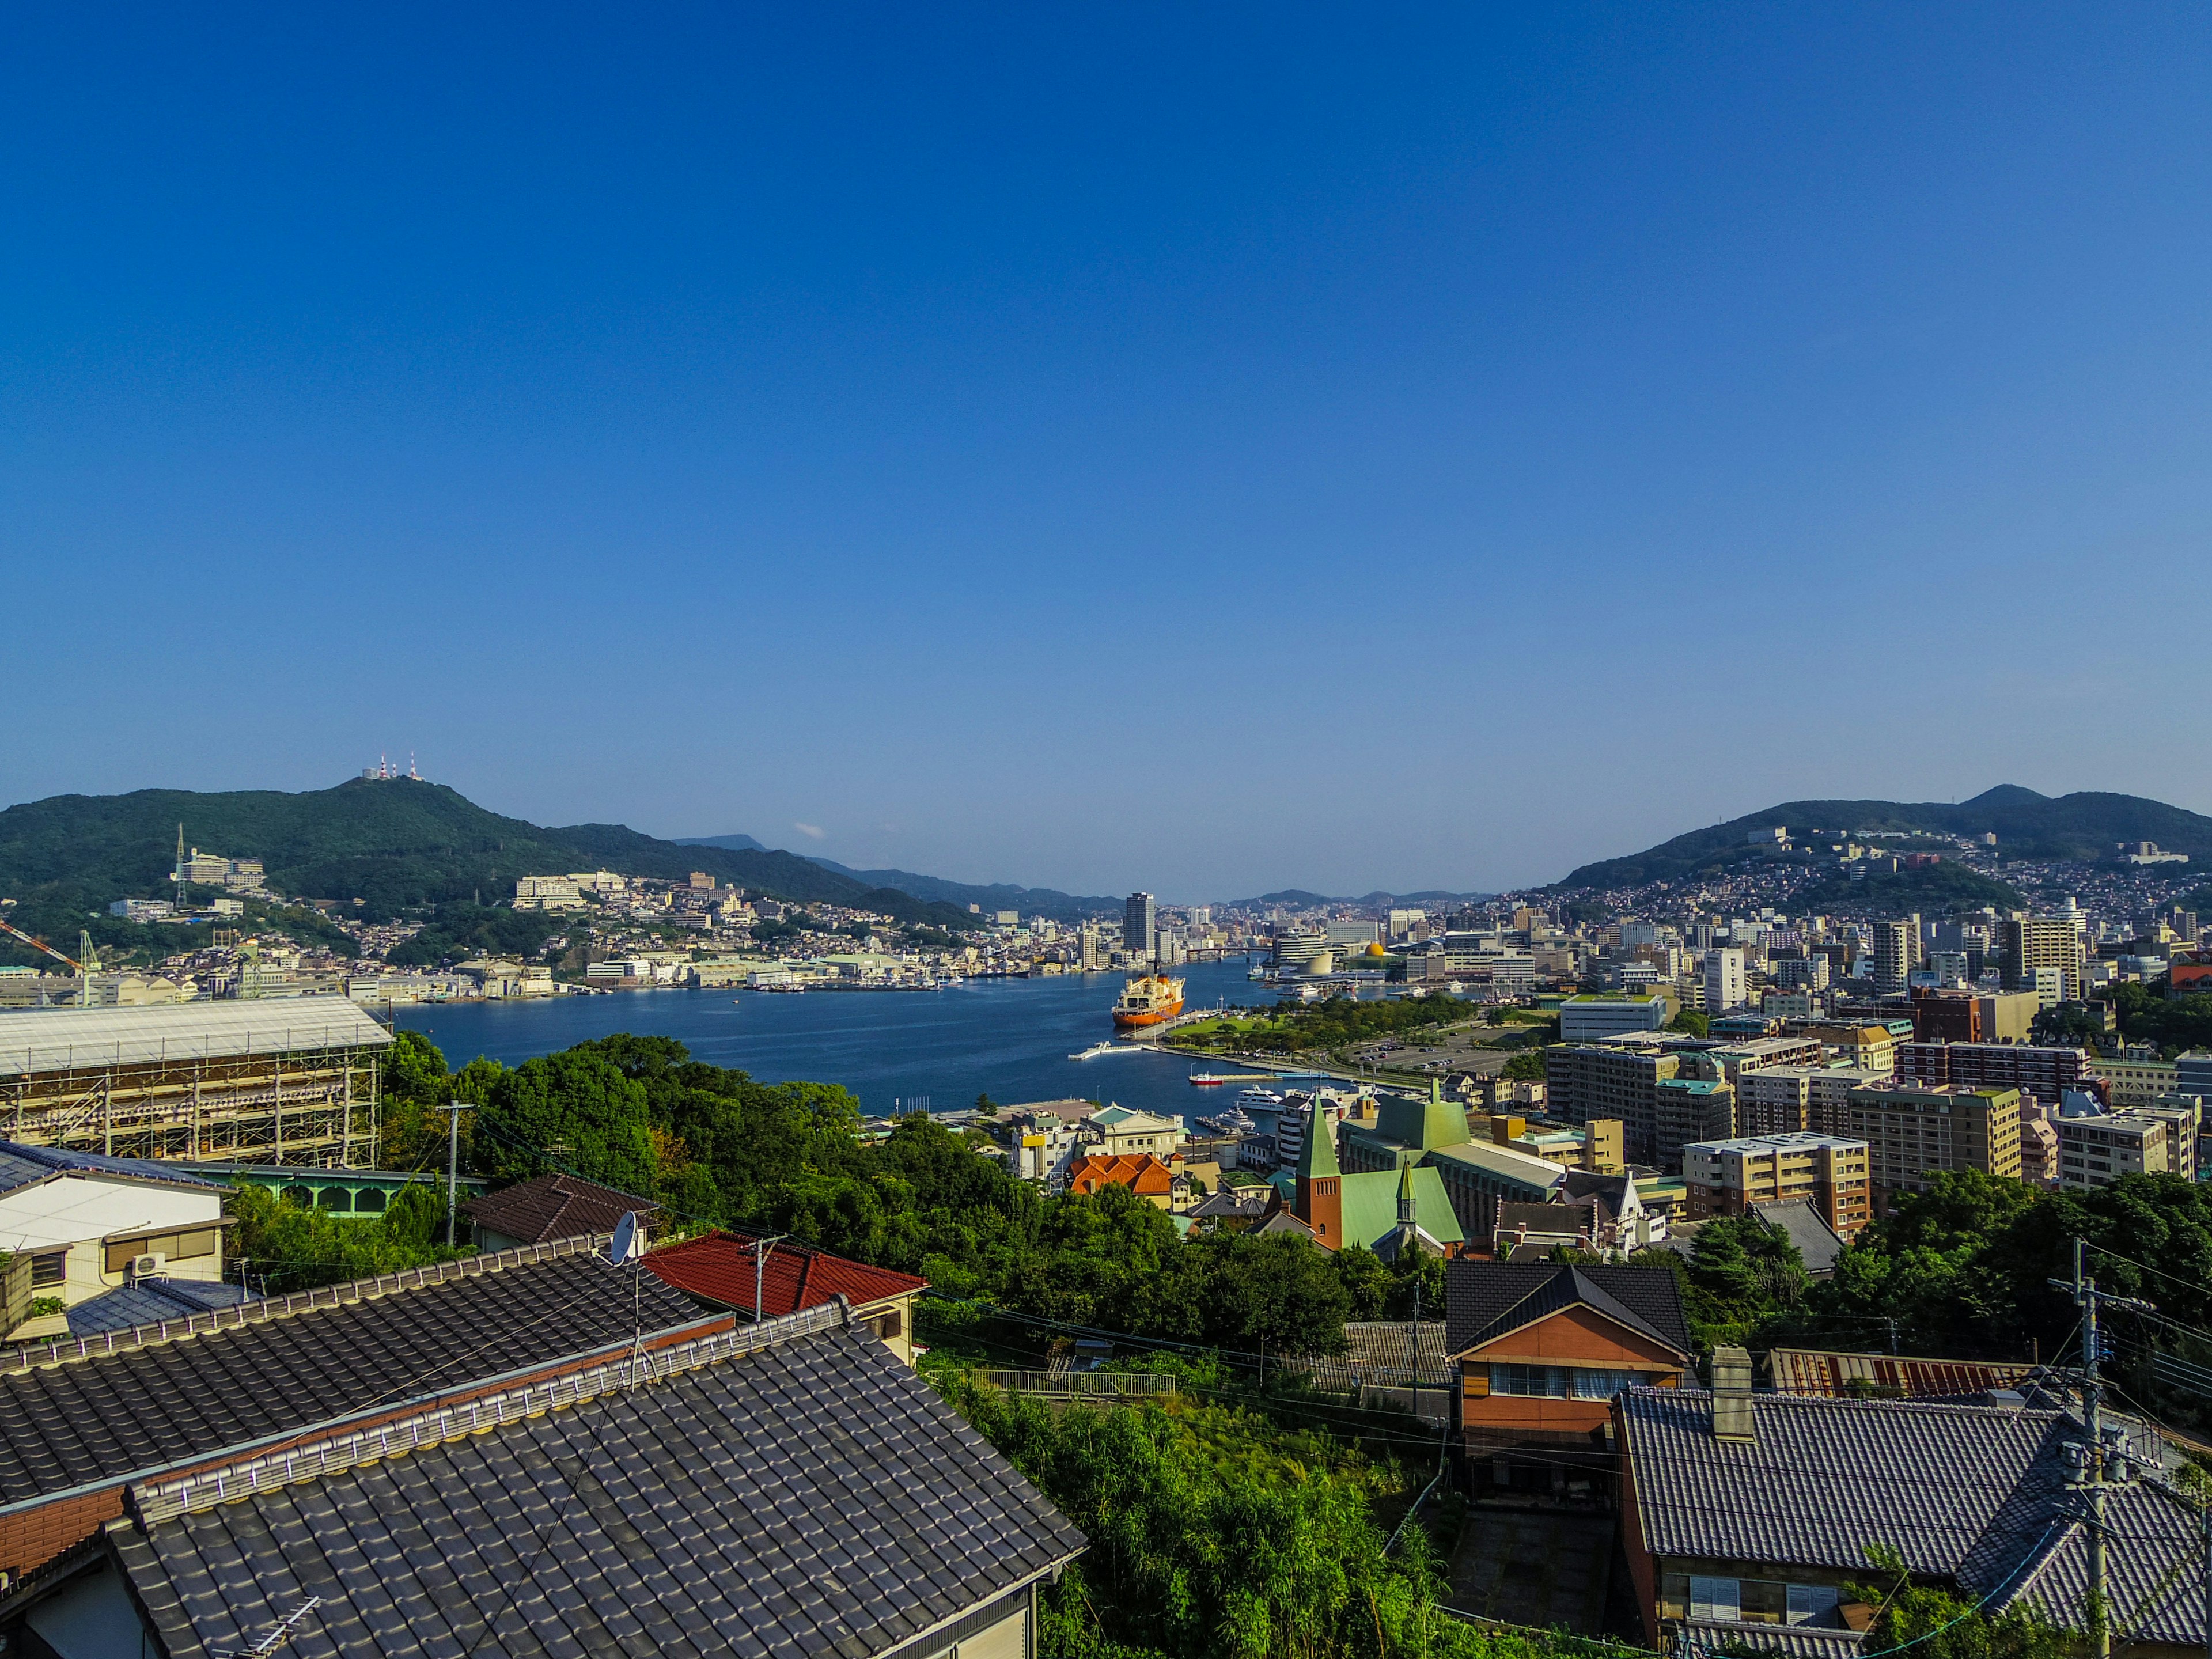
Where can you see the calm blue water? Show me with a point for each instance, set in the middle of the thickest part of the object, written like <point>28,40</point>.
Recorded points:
<point>895,1049</point>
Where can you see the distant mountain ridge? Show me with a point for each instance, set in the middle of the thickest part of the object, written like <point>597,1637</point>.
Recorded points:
<point>396,843</point>
<point>2085,827</point>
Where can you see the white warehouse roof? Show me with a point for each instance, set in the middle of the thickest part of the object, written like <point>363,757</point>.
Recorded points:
<point>34,1040</point>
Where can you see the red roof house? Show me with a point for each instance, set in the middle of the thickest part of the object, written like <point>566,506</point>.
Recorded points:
<point>1140,1172</point>
<point>719,1269</point>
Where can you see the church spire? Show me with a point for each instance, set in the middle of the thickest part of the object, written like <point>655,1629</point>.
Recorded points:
<point>1406,1195</point>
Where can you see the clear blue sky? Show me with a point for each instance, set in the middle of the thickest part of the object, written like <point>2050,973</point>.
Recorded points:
<point>1096,447</point>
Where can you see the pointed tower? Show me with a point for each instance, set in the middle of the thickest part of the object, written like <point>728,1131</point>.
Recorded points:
<point>1320,1202</point>
<point>1406,1222</point>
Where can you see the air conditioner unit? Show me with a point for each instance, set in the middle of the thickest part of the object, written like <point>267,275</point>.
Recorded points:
<point>150,1266</point>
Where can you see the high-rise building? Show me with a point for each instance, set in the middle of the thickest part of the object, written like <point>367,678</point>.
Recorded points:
<point>1912,1133</point>
<point>1896,953</point>
<point>2028,943</point>
<point>1092,953</point>
<point>1725,982</point>
<point>1137,926</point>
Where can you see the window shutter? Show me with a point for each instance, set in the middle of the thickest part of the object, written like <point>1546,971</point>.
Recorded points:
<point>1477,1381</point>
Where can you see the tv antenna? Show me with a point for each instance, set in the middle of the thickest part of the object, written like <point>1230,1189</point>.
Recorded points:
<point>627,1249</point>
<point>278,1635</point>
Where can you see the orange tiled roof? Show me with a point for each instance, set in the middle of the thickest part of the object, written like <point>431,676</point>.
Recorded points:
<point>1139,1171</point>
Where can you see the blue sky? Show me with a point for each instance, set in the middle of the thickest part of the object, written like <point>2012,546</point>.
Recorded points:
<point>1102,447</point>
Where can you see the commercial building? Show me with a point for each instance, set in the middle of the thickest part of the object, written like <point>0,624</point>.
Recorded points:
<point>1912,1133</point>
<point>1732,1178</point>
<point>290,1081</point>
<point>1137,925</point>
<point>1119,1130</point>
<point>1725,987</point>
<point>2130,1083</point>
<point>1593,1018</point>
<point>2044,1074</point>
<point>1967,1017</point>
<point>1861,1048</point>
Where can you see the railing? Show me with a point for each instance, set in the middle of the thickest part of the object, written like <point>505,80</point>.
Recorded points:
<point>1083,1385</point>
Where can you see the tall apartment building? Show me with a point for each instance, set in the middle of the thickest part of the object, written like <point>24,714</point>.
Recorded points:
<point>1738,1060</point>
<point>1896,954</point>
<point>1863,1048</point>
<point>1965,1017</point>
<point>1615,1080</point>
<point>1729,1177</point>
<point>2029,943</point>
<point>1724,982</point>
<point>1913,1133</point>
<point>1090,950</point>
<point>2045,1075</point>
<point>1686,1110</point>
<point>1138,925</point>
<point>1800,1099</point>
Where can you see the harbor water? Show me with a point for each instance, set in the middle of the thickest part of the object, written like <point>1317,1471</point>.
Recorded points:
<point>896,1050</point>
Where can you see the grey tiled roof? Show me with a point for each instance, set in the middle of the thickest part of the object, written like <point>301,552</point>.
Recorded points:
<point>812,1497</point>
<point>1485,1299</point>
<point>1704,1637</point>
<point>558,1205</point>
<point>1807,1229</point>
<point>1976,1494</point>
<point>22,1165</point>
<point>153,1402</point>
<point>149,1301</point>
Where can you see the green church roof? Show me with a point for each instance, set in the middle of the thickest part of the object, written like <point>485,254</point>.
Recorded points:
<point>1421,1125</point>
<point>1318,1156</point>
<point>1370,1206</point>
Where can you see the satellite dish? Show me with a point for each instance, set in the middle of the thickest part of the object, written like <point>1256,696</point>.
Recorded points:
<point>628,1241</point>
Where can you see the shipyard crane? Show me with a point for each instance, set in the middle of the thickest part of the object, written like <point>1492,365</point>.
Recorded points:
<point>85,969</point>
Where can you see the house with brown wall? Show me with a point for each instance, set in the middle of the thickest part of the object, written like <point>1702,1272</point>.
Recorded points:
<point>1538,1350</point>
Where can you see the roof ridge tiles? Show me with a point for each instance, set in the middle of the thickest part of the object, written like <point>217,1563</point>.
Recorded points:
<point>581,1378</point>
<point>65,1351</point>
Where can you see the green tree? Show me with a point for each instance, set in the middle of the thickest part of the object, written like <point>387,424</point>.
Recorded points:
<point>1691,1022</point>
<point>577,1102</point>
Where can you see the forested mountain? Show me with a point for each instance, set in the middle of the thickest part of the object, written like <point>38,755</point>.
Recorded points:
<point>2085,826</point>
<point>395,843</point>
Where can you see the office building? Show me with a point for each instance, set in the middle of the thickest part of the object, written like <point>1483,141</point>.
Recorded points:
<point>1912,1133</point>
<point>1967,1017</point>
<point>1725,982</point>
<point>1137,925</point>
<point>2132,1083</point>
<point>1863,1048</point>
<point>1593,1018</point>
<point>1732,1177</point>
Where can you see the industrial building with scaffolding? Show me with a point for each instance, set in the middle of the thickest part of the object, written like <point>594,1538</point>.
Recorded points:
<point>293,1081</point>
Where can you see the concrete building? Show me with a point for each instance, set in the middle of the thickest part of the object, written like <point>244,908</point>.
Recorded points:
<point>1970,1016</point>
<point>1613,1080</point>
<point>1119,1129</point>
<point>1913,1133</point>
<point>1138,925</point>
<point>1896,954</point>
<point>1688,1110</point>
<point>2044,1073</point>
<point>1861,1048</point>
<point>1593,1018</point>
<point>1732,1177</point>
<point>1800,1099</point>
<point>2030,943</point>
<point>1725,988</point>
<point>2095,1151</point>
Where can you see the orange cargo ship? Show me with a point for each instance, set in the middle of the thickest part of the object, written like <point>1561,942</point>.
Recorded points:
<point>1152,999</point>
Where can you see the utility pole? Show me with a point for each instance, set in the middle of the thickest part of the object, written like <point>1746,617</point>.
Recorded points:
<point>2090,1299</point>
<point>453,1110</point>
<point>761,1247</point>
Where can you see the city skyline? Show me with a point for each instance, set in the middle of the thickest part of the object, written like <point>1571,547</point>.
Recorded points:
<point>1199,455</point>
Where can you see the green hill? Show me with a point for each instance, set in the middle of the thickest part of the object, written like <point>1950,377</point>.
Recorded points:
<point>397,844</point>
<point>1935,889</point>
<point>2083,827</point>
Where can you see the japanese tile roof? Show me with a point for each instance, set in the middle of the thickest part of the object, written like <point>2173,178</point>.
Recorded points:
<point>1709,1636</point>
<point>1812,1371</point>
<point>1974,1494</point>
<point>1569,1219</point>
<point>1483,1300</point>
<point>805,1494</point>
<point>1795,1219</point>
<point>111,1408</point>
<point>718,1268</point>
<point>148,1301</point>
<point>551,1206</point>
<point>23,1166</point>
<point>1139,1171</point>
<point>1380,1351</point>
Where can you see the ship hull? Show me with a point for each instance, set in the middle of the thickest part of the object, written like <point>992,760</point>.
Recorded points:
<point>1159,1016</point>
